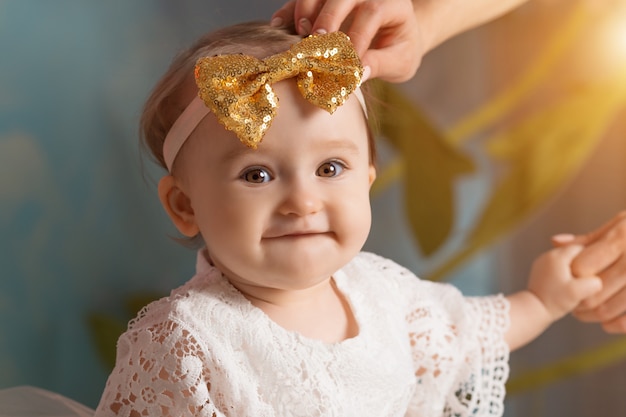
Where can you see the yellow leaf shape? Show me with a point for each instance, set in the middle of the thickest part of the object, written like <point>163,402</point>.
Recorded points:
<point>105,328</point>
<point>581,363</point>
<point>432,230</point>
<point>542,152</point>
<point>105,331</point>
<point>429,164</point>
<point>497,107</point>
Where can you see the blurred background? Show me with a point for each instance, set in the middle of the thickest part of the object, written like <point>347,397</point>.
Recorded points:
<point>508,134</point>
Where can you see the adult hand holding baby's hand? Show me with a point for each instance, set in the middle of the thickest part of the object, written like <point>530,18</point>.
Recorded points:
<point>552,281</point>
<point>385,33</point>
<point>603,255</point>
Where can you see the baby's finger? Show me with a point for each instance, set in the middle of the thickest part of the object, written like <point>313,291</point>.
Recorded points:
<point>575,290</point>
<point>613,281</point>
<point>598,256</point>
<point>563,239</point>
<point>586,287</point>
<point>570,252</point>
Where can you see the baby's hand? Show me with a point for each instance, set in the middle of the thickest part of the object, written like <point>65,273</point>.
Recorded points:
<point>604,255</point>
<point>552,281</point>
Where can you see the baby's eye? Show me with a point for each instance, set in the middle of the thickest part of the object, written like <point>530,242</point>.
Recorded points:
<point>330,169</point>
<point>256,175</point>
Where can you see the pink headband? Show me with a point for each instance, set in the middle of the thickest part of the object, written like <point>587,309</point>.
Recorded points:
<point>182,128</point>
<point>191,117</point>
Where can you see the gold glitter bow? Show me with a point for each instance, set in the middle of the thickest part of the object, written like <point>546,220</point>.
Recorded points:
<point>237,87</point>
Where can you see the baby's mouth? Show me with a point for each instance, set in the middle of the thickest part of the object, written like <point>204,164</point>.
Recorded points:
<point>294,233</point>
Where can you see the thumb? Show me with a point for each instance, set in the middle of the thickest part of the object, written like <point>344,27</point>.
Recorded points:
<point>591,237</point>
<point>586,287</point>
<point>564,239</point>
<point>403,68</point>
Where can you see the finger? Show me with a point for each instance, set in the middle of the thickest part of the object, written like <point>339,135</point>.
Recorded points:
<point>615,326</point>
<point>604,246</point>
<point>588,238</point>
<point>599,255</point>
<point>569,252</point>
<point>586,287</point>
<point>331,16</point>
<point>366,22</point>
<point>285,15</point>
<point>613,281</point>
<point>404,64</point>
<point>304,14</point>
<point>387,39</point>
<point>563,239</point>
<point>610,310</point>
<point>606,227</point>
<point>576,289</point>
<point>367,73</point>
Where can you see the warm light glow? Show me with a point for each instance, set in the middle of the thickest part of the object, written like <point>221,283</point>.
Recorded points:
<point>619,36</point>
<point>614,36</point>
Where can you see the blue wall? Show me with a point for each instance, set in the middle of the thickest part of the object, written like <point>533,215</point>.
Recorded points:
<point>81,231</point>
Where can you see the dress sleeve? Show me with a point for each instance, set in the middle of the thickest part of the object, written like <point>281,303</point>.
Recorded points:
<point>459,351</point>
<point>479,386</point>
<point>160,370</point>
<point>460,356</point>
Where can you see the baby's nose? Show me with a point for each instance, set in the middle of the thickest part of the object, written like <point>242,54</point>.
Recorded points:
<point>301,199</point>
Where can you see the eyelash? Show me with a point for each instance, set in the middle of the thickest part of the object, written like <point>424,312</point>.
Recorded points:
<point>259,172</point>
<point>334,164</point>
<point>254,174</point>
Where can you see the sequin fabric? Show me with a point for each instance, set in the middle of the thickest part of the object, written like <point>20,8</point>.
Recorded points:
<point>237,88</point>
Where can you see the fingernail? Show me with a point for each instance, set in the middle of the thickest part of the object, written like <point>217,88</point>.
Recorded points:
<point>320,31</point>
<point>277,21</point>
<point>304,26</point>
<point>563,237</point>
<point>367,71</point>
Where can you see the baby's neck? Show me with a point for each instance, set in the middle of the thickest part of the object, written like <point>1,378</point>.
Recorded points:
<point>321,312</point>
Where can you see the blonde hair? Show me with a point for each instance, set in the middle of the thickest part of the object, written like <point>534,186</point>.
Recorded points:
<point>171,94</point>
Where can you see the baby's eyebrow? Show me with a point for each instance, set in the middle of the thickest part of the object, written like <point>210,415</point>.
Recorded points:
<point>237,153</point>
<point>343,144</point>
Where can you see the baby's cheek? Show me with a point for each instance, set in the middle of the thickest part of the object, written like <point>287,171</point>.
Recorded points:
<point>358,220</point>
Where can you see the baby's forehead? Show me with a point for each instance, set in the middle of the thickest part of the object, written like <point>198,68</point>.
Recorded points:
<point>225,147</point>
<point>295,117</point>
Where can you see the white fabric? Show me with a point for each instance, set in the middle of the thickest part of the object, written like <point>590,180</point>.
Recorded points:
<point>27,401</point>
<point>422,350</point>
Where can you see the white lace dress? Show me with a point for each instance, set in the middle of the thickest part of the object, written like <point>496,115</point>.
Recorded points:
<point>422,350</point>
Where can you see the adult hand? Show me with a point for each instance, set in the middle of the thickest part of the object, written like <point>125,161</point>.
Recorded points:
<point>604,255</point>
<point>385,33</point>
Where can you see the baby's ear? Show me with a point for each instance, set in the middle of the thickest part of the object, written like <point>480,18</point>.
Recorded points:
<point>178,206</point>
<point>372,174</point>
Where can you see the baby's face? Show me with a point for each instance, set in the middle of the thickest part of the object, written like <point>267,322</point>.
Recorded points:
<point>292,212</point>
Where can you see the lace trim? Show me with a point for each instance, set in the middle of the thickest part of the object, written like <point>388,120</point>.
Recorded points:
<point>456,346</point>
<point>165,370</point>
<point>482,390</point>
